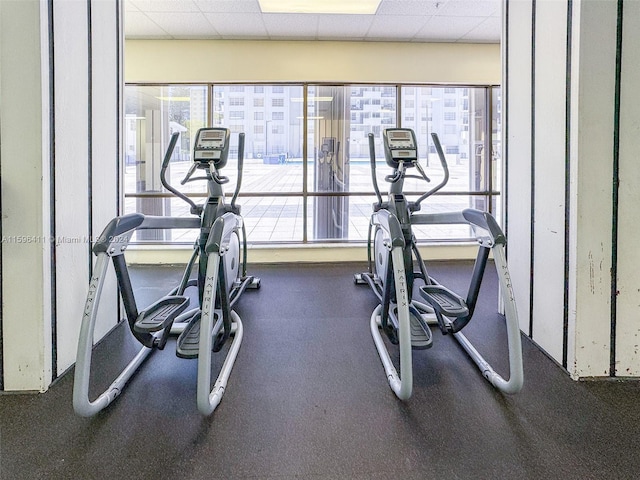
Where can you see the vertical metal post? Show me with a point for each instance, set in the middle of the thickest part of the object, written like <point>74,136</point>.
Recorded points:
<point>305,166</point>
<point>488,147</point>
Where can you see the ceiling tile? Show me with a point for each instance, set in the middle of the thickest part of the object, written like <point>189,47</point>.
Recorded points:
<point>238,25</point>
<point>228,6</point>
<point>165,5</point>
<point>469,8</point>
<point>452,28</point>
<point>130,7</point>
<point>409,7</point>
<point>184,25</point>
<point>487,31</point>
<point>353,27</point>
<point>139,25</point>
<point>291,25</point>
<point>395,27</point>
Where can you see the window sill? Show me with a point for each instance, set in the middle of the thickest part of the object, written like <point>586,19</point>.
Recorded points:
<point>315,253</point>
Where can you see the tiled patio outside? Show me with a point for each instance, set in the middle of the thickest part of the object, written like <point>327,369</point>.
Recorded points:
<point>280,218</point>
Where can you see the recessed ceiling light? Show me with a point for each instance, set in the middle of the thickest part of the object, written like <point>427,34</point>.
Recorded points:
<point>344,7</point>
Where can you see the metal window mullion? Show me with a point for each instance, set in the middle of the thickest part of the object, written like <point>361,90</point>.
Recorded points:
<point>398,105</point>
<point>210,106</point>
<point>305,169</point>
<point>311,194</point>
<point>488,147</point>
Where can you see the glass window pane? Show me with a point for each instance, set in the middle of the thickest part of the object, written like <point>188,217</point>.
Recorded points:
<point>360,209</point>
<point>340,119</point>
<point>271,120</point>
<point>328,165</point>
<point>496,138</point>
<point>459,116</point>
<point>273,219</point>
<point>496,151</point>
<point>152,114</point>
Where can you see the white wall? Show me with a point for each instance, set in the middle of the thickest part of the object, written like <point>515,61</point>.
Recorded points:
<point>71,171</point>
<point>627,333</point>
<point>107,85</point>
<point>592,127</point>
<point>517,124</point>
<point>549,175</point>
<point>166,61</point>
<point>571,216</point>
<point>44,282</point>
<point>26,335</point>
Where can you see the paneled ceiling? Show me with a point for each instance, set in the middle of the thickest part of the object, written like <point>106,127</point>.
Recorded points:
<point>463,21</point>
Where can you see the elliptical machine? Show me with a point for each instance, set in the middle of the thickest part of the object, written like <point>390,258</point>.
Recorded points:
<point>220,253</point>
<point>392,254</point>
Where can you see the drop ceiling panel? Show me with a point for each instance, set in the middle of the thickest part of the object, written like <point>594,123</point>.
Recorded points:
<point>291,25</point>
<point>228,6</point>
<point>137,24</point>
<point>395,20</point>
<point>333,27</point>
<point>165,5</point>
<point>485,32</point>
<point>184,25</point>
<point>130,7</point>
<point>449,27</point>
<point>469,8</point>
<point>238,25</point>
<point>410,7</point>
<point>395,27</point>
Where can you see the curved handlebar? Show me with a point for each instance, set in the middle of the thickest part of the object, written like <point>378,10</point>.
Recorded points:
<point>163,171</point>
<point>172,145</point>
<point>397,175</point>
<point>213,171</point>
<point>372,159</point>
<point>240,165</point>
<point>191,171</point>
<point>445,167</point>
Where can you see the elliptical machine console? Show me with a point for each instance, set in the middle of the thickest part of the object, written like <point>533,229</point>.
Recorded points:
<point>211,144</point>
<point>399,146</point>
<point>411,301</point>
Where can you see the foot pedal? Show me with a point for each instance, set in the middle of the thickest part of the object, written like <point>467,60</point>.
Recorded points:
<point>161,314</point>
<point>359,278</point>
<point>444,301</point>
<point>188,343</point>
<point>189,340</point>
<point>421,337</point>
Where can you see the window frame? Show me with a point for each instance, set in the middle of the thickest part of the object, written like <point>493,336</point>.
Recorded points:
<point>491,193</point>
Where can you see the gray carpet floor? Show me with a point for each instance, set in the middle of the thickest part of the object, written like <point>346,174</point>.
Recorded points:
<point>308,399</point>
